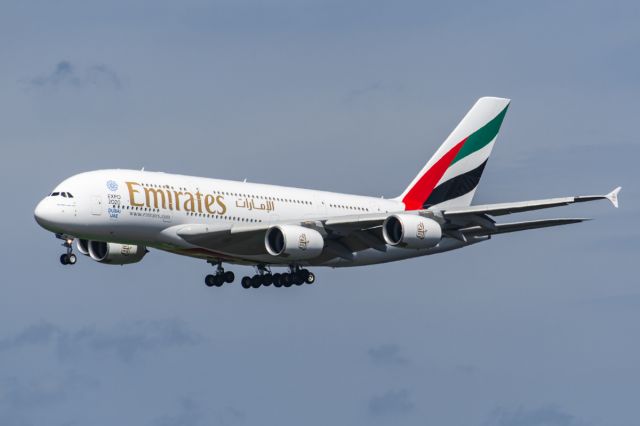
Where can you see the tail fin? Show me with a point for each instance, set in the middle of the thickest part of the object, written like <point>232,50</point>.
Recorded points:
<point>452,175</point>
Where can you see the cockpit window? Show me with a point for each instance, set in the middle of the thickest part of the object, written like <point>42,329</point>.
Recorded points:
<point>62,194</point>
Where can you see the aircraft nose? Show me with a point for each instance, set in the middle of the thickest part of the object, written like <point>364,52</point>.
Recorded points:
<point>43,214</point>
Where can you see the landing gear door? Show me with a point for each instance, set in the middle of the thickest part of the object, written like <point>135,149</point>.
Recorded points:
<point>96,205</point>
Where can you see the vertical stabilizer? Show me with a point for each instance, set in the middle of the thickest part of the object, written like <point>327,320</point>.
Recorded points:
<point>451,176</point>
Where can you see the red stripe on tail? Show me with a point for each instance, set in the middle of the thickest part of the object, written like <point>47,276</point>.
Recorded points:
<point>417,195</point>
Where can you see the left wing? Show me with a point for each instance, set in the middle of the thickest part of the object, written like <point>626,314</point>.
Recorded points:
<point>522,206</point>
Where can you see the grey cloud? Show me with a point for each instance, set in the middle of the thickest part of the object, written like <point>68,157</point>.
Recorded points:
<point>230,416</point>
<point>41,333</point>
<point>543,416</point>
<point>19,398</point>
<point>387,355</point>
<point>125,341</point>
<point>391,403</point>
<point>66,75</point>
<point>128,340</point>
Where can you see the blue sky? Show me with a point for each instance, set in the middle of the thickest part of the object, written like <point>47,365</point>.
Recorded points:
<point>538,328</point>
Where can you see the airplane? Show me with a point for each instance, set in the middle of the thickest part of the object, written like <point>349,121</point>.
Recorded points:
<point>116,215</point>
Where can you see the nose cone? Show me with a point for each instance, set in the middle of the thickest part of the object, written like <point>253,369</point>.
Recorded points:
<point>43,214</point>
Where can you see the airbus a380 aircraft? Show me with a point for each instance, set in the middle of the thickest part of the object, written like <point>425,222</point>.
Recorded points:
<point>114,215</point>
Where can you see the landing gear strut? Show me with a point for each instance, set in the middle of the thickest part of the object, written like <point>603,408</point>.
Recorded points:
<point>264,277</point>
<point>220,277</point>
<point>67,258</point>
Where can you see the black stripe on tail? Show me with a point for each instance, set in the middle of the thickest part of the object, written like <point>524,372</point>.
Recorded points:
<point>455,187</point>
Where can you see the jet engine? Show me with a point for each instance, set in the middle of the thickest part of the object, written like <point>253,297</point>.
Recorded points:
<point>114,253</point>
<point>411,231</point>
<point>83,246</point>
<point>294,242</point>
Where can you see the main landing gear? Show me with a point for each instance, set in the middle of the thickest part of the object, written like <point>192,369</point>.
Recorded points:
<point>67,258</point>
<point>264,277</point>
<point>220,277</point>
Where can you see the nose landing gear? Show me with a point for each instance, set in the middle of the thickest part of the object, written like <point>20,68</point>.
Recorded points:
<point>67,258</point>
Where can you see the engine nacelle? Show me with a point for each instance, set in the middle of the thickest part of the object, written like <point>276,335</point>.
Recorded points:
<point>83,246</point>
<point>294,242</point>
<point>411,231</point>
<point>116,254</point>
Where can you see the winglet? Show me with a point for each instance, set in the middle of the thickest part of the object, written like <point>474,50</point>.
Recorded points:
<point>613,196</point>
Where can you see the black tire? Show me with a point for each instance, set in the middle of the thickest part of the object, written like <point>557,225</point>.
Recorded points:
<point>277,280</point>
<point>219,280</point>
<point>311,278</point>
<point>287,280</point>
<point>246,282</point>
<point>304,273</point>
<point>267,280</point>
<point>256,281</point>
<point>72,259</point>
<point>297,278</point>
<point>229,276</point>
<point>63,259</point>
<point>210,280</point>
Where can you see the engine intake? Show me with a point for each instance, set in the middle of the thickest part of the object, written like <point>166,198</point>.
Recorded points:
<point>83,246</point>
<point>411,231</point>
<point>293,241</point>
<point>116,254</point>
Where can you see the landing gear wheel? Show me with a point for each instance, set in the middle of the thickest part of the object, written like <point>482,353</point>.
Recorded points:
<point>229,277</point>
<point>210,280</point>
<point>219,280</point>
<point>277,280</point>
<point>64,259</point>
<point>287,280</point>
<point>72,259</point>
<point>256,281</point>
<point>246,282</point>
<point>268,280</point>
<point>298,279</point>
<point>311,278</point>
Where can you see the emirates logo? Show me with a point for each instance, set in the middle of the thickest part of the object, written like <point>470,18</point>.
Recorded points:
<point>303,241</point>
<point>421,231</point>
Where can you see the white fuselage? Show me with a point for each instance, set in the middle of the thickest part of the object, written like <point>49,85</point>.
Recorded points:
<point>148,208</point>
